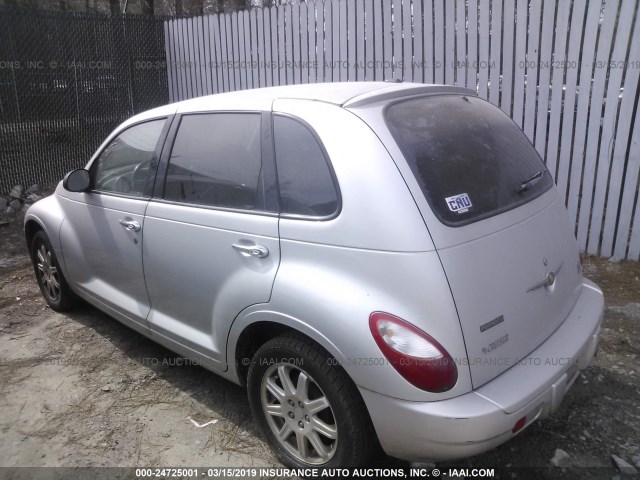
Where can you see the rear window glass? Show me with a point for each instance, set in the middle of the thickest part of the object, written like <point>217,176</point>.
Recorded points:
<point>470,159</point>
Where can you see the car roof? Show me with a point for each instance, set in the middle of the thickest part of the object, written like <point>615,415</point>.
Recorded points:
<point>345,94</point>
<point>262,98</point>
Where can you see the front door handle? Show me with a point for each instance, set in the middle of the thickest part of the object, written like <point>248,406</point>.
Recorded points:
<point>253,250</point>
<point>130,225</point>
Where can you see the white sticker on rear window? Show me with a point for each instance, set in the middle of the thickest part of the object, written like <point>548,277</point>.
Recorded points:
<point>459,203</point>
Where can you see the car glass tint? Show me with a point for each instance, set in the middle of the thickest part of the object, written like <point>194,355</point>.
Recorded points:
<point>125,165</point>
<point>306,185</point>
<point>470,159</point>
<point>216,161</point>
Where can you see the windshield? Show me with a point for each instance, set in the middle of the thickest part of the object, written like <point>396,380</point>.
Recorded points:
<point>470,159</point>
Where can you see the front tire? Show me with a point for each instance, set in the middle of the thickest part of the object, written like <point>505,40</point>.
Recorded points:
<point>307,407</point>
<point>50,279</point>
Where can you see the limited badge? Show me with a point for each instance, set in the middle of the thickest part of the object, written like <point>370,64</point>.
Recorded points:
<point>459,203</point>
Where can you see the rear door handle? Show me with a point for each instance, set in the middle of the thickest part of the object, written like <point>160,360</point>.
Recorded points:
<point>253,250</point>
<point>130,225</point>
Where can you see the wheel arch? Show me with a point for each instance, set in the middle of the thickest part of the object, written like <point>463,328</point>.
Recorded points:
<point>46,215</point>
<point>31,227</point>
<point>254,329</point>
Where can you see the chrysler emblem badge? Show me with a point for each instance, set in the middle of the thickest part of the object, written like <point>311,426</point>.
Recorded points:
<point>551,277</point>
<point>548,281</point>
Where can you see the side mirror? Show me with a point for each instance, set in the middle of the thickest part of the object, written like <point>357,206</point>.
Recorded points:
<point>77,180</point>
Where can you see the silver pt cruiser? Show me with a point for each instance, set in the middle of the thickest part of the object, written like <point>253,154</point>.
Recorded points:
<point>372,260</point>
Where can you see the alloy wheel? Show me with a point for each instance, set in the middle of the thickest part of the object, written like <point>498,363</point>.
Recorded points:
<point>299,414</point>
<point>48,273</point>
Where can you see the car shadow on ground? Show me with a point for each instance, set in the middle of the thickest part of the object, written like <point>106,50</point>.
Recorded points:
<point>215,395</point>
<point>202,385</point>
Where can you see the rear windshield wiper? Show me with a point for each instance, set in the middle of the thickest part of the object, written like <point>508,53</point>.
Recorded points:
<point>529,182</point>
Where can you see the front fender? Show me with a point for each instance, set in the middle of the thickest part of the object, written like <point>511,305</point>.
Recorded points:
<point>49,216</point>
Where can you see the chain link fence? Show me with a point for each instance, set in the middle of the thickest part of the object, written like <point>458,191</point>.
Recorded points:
<point>66,81</point>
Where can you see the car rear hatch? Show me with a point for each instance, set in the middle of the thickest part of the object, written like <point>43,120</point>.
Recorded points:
<point>499,226</point>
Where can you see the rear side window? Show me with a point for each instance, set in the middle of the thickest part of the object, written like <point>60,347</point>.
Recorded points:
<point>470,159</point>
<point>306,184</point>
<point>216,161</point>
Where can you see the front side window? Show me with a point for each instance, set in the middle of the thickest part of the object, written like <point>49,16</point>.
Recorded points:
<point>470,159</point>
<point>216,161</point>
<point>306,185</point>
<point>127,164</point>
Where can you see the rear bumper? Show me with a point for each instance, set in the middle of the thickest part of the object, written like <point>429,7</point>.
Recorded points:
<point>483,419</point>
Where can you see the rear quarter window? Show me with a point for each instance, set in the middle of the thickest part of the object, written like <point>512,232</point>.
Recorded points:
<point>469,158</point>
<point>307,187</point>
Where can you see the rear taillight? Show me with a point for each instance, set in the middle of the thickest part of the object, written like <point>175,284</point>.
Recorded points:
<point>415,355</point>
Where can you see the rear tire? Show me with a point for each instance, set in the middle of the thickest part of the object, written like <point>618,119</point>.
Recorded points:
<point>51,281</point>
<point>307,407</point>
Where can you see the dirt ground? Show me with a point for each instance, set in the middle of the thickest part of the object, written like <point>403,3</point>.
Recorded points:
<point>80,389</point>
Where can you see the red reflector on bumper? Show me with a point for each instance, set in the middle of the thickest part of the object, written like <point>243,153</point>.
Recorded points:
<point>519,424</point>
